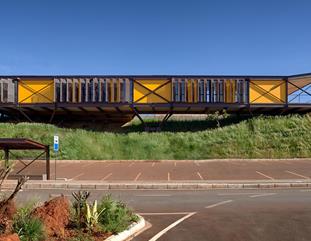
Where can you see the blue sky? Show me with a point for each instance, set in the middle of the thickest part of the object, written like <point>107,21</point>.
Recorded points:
<point>155,37</point>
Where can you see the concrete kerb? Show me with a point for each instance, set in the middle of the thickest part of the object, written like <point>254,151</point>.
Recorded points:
<point>130,232</point>
<point>89,185</point>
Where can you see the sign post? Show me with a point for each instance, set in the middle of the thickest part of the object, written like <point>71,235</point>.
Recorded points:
<point>56,149</point>
<point>56,143</point>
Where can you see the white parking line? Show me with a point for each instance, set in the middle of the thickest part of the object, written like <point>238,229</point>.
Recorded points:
<point>107,176</point>
<point>158,235</point>
<point>138,175</point>
<point>131,164</point>
<point>200,176</point>
<point>264,175</point>
<point>218,204</point>
<point>196,163</point>
<point>262,195</point>
<point>168,176</point>
<point>79,175</point>
<point>237,193</point>
<point>175,164</point>
<point>158,214</point>
<point>153,164</point>
<point>298,175</point>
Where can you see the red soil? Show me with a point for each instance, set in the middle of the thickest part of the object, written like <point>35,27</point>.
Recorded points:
<point>7,213</point>
<point>55,216</point>
<point>10,237</point>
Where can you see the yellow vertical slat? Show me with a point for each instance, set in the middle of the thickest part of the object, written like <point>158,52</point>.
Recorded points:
<point>195,90</point>
<point>112,90</point>
<point>119,90</point>
<point>189,85</point>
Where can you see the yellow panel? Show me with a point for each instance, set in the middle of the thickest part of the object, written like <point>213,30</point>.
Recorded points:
<point>140,92</point>
<point>267,91</point>
<point>195,86</point>
<point>189,86</point>
<point>111,91</point>
<point>36,91</point>
<point>230,91</point>
<point>142,95</point>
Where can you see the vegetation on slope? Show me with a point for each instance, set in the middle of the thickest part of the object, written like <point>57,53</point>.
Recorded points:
<point>225,137</point>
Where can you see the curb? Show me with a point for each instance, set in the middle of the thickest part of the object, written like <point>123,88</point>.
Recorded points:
<point>130,232</point>
<point>83,185</point>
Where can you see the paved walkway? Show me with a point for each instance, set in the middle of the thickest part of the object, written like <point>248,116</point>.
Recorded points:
<point>272,170</point>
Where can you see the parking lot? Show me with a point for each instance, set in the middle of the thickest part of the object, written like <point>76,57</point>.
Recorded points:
<point>175,170</point>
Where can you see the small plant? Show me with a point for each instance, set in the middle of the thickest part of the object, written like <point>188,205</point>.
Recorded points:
<point>28,228</point>
<point>116,217</point>
<point>79,206</point>
<point>92,215</point>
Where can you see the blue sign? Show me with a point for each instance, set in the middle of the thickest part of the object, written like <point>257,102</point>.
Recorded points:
<point>56,147</point>
<point>56,144</point>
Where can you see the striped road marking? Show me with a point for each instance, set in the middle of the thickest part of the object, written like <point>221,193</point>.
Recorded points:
<point>138,175</point>
<point>264,175</point>
<point>262,195</point>
<point>298,175</point>
<point>79,175</point>
<point>107,176</point>
<point>237,193</point>
<point>162,232</point>
<point>218,204</point>
<point>159,214</point>
<point>200,176</point>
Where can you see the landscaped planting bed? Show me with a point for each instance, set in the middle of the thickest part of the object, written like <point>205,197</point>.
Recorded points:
<point>59,219</point>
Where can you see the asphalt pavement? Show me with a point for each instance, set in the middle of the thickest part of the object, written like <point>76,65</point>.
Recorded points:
<point>213,215</point>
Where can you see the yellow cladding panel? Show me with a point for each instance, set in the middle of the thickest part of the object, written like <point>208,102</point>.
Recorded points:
<point>144,94</point>
<point>267,91</point>
<point>36,91</point>
<point>230,90</point>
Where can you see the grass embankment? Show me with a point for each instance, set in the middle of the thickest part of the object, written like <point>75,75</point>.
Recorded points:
<point>259,137</point>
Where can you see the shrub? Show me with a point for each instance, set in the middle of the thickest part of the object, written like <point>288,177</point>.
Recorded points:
<point>28,228</point>
<point>79,206</point>
<point>116,216</point>
<point>92,215</point>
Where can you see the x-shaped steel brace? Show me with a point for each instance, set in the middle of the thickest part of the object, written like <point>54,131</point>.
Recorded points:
<point>267,92</point>
<point>306,92</point>
<point>34,92</point>
<point>152,91</point>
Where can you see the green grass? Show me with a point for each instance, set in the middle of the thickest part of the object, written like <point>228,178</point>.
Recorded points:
<point>27,227</point>
<point>227,137</point>
<point>116,216</point>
